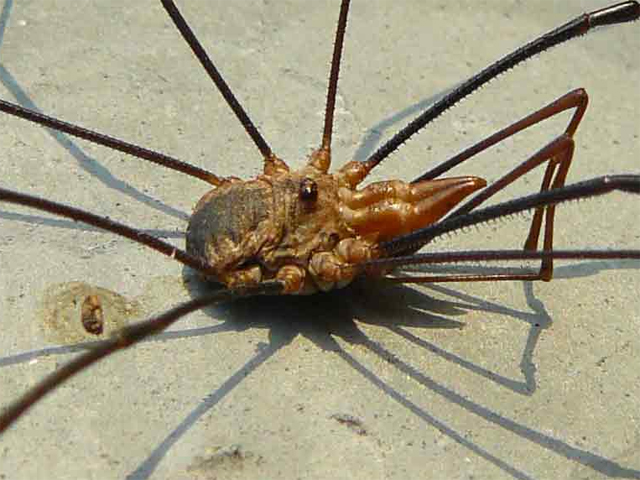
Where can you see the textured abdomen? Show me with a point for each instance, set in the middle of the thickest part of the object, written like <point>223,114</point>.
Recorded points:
<point>228,228</point>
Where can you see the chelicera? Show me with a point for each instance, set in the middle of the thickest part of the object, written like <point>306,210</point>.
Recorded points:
<point>299,232</point>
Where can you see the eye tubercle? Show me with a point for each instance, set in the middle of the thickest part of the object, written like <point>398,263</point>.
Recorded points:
<point>308,190</point>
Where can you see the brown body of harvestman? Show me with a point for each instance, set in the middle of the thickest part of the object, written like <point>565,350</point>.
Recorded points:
<point>297,232</point>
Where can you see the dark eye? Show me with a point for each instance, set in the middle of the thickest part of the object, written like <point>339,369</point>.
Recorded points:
<point>308,190</point>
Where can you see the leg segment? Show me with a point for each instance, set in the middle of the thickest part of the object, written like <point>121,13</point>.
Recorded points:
<point>79,215</point>
<point>619,13</point>
<point>355,172</point>
<point>110,142</point>
<point>558,155</point>
<point>333,77</point>
<point>576,99</point>
<point>216,77</point>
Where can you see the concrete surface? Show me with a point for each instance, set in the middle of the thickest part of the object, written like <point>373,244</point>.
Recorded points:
<point>457,381</point>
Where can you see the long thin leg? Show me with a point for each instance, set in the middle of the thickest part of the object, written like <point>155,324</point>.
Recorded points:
<point>577,99</point>
<point>321,158</point>
<point>126,337</point>
<point>619,13</point>
<point>558,154</point>
<point>333,77</point>
<point>492,256</point>
<point>581,190</point>
<point>106,224</point>
<point>216,77</point>
<point>110,142</point>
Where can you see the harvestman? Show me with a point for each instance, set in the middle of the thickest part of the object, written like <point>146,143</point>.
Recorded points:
<point>298,232</point>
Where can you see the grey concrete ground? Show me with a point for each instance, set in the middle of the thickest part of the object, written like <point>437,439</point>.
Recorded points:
<point>458,381</point>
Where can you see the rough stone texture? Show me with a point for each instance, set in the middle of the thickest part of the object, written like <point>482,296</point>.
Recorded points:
<point>539,381</point>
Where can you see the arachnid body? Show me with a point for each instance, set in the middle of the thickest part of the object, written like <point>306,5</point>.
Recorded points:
<point>311,229</point>
<point>118,179</point>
